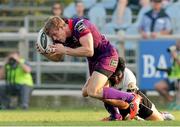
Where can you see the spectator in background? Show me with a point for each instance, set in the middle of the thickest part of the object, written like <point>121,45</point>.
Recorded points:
<point>121,7</point>
<point>57,9</point>
<point>145,7</point>
<point>144,3</point>
<point>166,3</point>
<point>80,9</point>
<point>155,22</point>
<point>122,16</point>
<point>174,73</point>
<point>17,74</point>
<point>121,19</point>
<point>134,5</point>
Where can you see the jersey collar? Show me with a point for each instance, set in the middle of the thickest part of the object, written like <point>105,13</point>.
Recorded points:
<point>70,24</point>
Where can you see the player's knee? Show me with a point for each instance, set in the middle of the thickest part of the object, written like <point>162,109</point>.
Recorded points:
<point>158,118</point>
<point>84,93</point>
<point>93,92</point>
<point>156,115</point>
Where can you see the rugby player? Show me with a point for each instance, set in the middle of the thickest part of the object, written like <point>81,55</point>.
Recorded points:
<point>79,37</point>
<point>124,79</point>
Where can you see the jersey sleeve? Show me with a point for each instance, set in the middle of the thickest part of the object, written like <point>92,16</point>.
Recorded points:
<point>81,28</point>
<point>129,77</point>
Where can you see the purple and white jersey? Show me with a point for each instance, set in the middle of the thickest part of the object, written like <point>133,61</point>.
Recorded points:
<point>105,55</point>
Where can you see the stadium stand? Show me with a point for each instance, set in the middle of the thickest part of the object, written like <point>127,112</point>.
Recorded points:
<point>131,45</point>
<point>88,4</point>
<point>108,29</point>
<point>109,4</point>
<point>126,21</point>
<point>97,18</point>
<point>175,7</point>
<point>70,11</point>
<point>142,11</point>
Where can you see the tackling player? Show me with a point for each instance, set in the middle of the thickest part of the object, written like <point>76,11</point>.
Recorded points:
<point>79,37</point>
<point>124,79</point>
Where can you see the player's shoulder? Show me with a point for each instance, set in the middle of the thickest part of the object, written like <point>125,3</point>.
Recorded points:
<point>80,24</point>
<point>129,74</point>
<point>127,70</point>
<point>81,27</point>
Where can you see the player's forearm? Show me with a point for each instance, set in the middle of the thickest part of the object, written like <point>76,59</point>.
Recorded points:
<point>80,52</point>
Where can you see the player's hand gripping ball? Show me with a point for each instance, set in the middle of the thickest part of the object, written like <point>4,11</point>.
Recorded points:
<point>43,42</point>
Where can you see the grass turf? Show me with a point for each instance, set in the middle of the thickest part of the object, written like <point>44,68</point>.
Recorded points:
<point>74,117</point>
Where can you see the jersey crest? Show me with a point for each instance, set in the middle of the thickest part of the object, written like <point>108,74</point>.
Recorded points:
<point>80,26</point>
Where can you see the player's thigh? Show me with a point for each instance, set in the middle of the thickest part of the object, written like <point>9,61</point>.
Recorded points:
<point>96,83</point>
<point>156,115</point>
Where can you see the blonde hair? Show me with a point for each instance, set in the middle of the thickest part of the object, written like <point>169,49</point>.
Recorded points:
<point>54,22</point>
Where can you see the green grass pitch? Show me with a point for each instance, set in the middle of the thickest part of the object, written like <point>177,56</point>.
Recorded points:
<point>74,117</point>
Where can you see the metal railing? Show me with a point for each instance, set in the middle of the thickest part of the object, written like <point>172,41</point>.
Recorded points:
<point>30,23</point>
<point>40,67</point>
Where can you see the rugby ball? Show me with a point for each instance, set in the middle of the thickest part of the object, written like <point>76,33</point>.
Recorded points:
<point>44,41</point>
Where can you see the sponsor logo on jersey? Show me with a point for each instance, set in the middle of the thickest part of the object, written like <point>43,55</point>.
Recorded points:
<point>113,63</point>
<point>80,26</point>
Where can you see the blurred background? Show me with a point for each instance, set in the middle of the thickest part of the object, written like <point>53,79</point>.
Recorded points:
<point>143,31</point>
